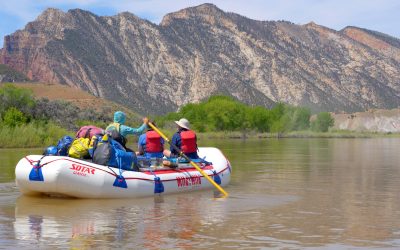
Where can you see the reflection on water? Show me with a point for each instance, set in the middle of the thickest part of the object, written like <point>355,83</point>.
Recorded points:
<point>151,223</point>
<point>291,193</point>
<point>148,223</point>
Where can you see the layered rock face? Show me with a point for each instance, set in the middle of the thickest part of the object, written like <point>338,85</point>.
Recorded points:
<point>374,120</point>
<point>200,51</point>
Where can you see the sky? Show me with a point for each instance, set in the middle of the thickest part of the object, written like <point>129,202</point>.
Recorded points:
<point>379,15</point>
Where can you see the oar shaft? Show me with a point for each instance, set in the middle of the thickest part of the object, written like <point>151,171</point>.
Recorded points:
<point>191,162</point>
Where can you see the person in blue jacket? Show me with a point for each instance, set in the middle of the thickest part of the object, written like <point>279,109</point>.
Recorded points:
<point>184,139</point>
<point>119,131</point>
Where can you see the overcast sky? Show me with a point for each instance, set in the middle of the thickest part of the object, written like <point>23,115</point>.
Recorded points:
<point>379,15</point>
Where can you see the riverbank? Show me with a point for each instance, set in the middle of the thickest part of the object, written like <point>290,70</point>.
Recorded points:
<point>295,134</point>
<point>30,136</point>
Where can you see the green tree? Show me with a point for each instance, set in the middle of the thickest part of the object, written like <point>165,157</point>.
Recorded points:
<point>216,114</point>
<point>323,122</point>
<point>277,111</point>
<point>278,126</point>
<point>287,118</point>
<point>11,96</point>
<point>258,118</point>
<point>13,117</point>
<point>297,118</point>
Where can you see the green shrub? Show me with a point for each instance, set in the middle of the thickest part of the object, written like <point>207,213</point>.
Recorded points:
<point>258,118</point>
<point>11,96</point>
<point>323,122</point>
<point>13,117</point>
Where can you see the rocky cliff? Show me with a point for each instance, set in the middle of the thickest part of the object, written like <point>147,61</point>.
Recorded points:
<point>200,51</point>
<point>374,120</point>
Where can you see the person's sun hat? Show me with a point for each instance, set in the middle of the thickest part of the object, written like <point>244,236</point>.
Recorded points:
<point>183,123</point>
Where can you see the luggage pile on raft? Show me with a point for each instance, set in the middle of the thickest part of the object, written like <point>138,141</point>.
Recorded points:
<point>93,144</point>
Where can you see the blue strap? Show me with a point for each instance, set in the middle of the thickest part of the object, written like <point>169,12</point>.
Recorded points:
<point>158,185</point>
<point>119,162</point>
<point>36,172</point>
<point>120,180</point>
<point>216,178</point>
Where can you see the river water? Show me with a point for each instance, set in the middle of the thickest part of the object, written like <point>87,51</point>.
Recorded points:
<point>284,194</point>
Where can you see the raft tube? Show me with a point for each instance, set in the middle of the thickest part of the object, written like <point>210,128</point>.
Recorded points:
<point>65,176</point>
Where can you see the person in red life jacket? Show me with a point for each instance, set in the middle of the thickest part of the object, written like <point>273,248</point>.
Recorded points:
<point>151,144</point>
<point>185,139</point>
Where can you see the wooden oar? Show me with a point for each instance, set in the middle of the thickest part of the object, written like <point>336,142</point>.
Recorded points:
<point>188,159</point>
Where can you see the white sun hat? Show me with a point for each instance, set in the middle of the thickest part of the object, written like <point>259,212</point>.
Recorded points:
<point>183,123</point>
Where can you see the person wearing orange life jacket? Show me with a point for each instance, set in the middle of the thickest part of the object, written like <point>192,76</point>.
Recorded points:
<point>151,144</point>
<point>119,131</point>
<point>184,139</point>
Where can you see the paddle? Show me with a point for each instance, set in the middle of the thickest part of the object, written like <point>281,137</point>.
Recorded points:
<point>191,162</point>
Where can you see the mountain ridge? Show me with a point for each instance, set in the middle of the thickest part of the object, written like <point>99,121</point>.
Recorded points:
<point>202,50</point>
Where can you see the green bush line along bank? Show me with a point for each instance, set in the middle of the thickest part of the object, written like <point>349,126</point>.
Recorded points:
<point>28,122</point>
<point>222,113</point>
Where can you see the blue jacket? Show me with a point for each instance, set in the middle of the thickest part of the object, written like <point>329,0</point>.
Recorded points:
<point>119,120</point>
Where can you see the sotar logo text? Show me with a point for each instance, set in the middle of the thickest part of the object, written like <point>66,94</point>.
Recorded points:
<point>81,170</point>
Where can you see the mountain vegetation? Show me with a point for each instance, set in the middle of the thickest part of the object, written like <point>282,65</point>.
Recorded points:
<point>8,74</point>
<point>26,121</point>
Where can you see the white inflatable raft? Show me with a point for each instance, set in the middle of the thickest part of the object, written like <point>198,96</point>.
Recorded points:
<point>65,176</point>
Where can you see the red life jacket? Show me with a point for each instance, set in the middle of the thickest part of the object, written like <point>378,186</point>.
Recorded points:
<point>153,142</point>
<point>188,139</point>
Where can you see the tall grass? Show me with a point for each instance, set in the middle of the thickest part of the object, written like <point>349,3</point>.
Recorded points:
<point>34,134</point>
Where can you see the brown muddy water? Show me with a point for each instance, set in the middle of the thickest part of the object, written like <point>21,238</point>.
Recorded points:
<point>284,194</point>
